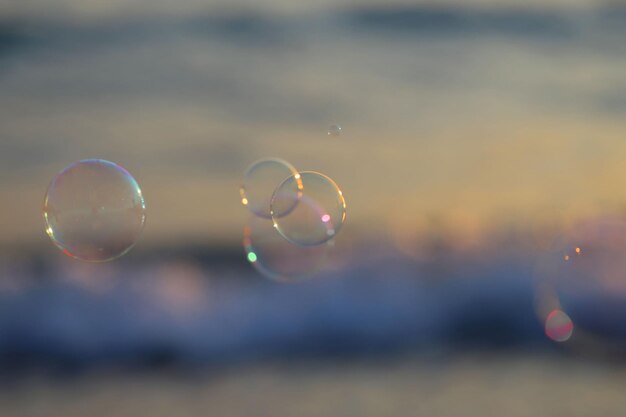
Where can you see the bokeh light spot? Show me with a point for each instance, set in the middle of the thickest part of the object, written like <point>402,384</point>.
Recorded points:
<point>559,327</point>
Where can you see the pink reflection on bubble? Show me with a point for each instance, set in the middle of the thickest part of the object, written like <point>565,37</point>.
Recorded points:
<point>559,326</point>
<point>325,218</point>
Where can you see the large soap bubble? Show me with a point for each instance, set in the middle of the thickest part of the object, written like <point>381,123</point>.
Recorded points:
<point>315,206</point>
<point>259,182</point>
<point>94,210</point>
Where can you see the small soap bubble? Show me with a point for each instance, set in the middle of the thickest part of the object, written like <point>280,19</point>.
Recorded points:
<point>259,182</point>
<point>94,210</point>
<point>276,258</point>
<point>316,209</point>
<point>334,130</point>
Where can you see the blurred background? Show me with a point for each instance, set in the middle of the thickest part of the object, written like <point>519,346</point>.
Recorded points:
<point>477,137</point>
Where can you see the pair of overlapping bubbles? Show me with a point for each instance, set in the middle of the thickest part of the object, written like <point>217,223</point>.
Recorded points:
<point>581,288</point>
<point>296,215</point>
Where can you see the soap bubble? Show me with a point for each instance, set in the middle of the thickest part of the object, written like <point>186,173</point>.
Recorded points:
<point>315,205</point>
<point>94,210</point>
<point>259,182</point>
<point>277,259</point>
<point>334,130</point>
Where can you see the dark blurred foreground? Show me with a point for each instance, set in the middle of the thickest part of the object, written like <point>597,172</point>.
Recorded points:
<point>210,308</point>
<point>488,385</point>
<point>199,332</point>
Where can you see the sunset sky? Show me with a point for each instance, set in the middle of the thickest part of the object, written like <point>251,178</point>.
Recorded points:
<point>453,112</point>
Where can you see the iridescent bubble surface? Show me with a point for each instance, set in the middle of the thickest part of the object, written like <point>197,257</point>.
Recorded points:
<point>559,326</point>
<point>317,209</point>
<point>277,259</point>
<point>334,130</point>
<point>94,210</point>
<point>259,182</point>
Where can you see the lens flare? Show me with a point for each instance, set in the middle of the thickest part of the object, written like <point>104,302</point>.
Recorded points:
<point>559,326</point>
<point>582,283</point>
